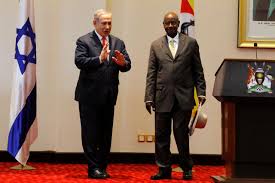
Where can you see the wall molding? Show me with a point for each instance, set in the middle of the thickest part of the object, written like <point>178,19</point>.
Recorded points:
<point>115,157</point>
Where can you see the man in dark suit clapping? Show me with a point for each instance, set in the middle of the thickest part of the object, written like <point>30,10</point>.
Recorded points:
<point>99,56</point>
<point>174,70</point>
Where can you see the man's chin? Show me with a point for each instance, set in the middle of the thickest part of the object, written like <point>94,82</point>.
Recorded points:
<point>172,35</point>
<point>106,33</point>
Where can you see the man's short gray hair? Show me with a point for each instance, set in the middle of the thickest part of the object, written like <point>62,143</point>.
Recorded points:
<point>99,13</point>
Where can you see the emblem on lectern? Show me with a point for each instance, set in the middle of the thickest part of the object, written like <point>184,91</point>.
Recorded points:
<point>259,80</point>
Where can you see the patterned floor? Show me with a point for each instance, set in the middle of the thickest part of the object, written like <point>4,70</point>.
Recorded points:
<point>120,173</point>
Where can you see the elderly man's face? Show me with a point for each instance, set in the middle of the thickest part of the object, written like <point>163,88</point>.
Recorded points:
<point>171,24</point>
<point>103,26</point>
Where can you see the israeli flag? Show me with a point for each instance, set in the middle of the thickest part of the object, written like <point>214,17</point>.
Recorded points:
<point>23,124</point>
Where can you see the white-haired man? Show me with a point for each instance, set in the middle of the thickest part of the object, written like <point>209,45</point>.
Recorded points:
<point>99,56</point>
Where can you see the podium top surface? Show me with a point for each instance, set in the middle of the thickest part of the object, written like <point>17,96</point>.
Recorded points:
<point>243,60</point>
<point>245,78</point>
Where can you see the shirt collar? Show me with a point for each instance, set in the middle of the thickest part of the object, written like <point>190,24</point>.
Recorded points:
<point>176,38</point>
<point>100,37</point>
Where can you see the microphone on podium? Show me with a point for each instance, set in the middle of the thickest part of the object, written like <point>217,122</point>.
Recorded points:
<point>256,47</point>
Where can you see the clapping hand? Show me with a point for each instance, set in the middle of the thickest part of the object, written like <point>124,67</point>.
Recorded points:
<point>119,58</point>
<point>104,52</point>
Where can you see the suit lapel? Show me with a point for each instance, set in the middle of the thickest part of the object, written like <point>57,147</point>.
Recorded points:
<point>180,45</point>
<point>111,47</point>
<point>96,42</point>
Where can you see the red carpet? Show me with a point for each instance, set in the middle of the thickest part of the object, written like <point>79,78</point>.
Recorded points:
<point>120,173</point>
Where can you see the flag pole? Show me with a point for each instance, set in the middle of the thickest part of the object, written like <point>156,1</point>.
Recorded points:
<point>177,169</point>
<point>22,167</point>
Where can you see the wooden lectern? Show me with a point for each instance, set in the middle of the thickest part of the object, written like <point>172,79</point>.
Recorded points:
<point>246,90</point>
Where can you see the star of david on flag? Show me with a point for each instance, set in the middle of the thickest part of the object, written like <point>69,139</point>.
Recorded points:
<point>23,124</point>
<point>25,35</point>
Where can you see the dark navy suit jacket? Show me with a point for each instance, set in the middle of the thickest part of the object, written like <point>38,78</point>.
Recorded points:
<point>98,82</point>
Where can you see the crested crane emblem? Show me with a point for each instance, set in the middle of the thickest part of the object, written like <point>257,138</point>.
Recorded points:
<point>259,79</point>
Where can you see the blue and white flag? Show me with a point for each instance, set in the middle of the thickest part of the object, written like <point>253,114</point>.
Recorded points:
<point>23,124</point>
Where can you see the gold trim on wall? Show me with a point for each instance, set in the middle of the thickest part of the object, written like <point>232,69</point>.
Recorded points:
<point>243,39</point>
<point>109,5</point>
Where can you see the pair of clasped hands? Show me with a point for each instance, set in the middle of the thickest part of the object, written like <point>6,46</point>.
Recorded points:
<point>118,59</point>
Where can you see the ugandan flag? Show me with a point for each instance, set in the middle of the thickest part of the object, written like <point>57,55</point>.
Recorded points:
<point>187,26</point>
<point>187,17</point>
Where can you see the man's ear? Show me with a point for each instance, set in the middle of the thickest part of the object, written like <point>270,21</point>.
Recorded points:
<point>94,22</point>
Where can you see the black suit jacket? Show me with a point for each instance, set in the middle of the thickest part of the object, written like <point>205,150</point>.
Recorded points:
<point>169,78</point>
<point>98,82</point>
